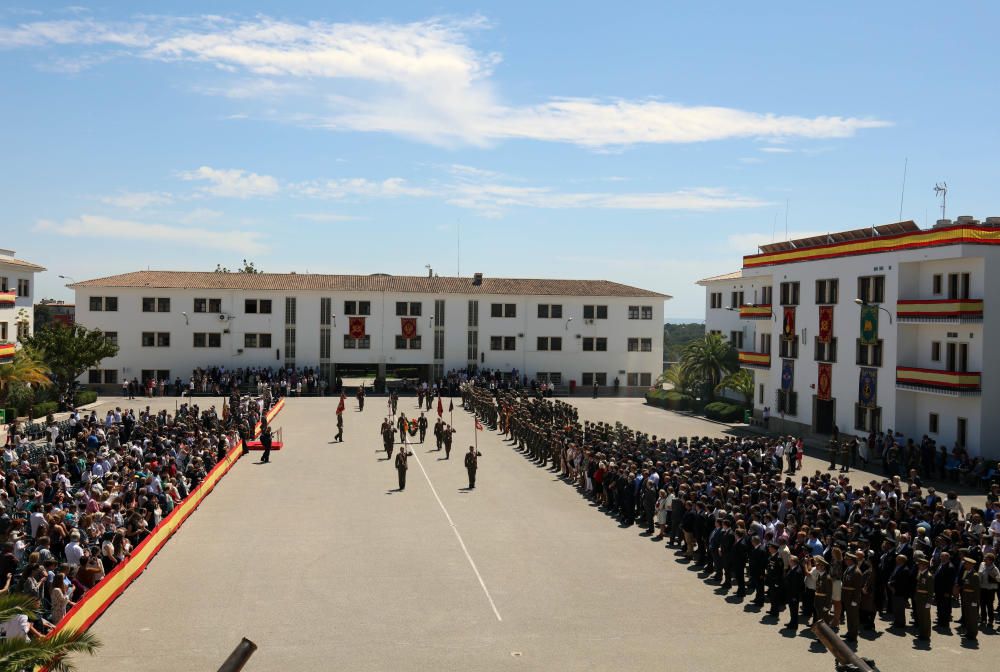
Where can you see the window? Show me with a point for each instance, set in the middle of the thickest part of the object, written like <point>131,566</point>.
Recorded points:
<point>357,343</point>
<point>326,311</point>
<point>789,293</point>
<point>163,305</point>
<point>871,288</point>
<point>201,305</point>
<point>714,299</point>
<point>962,431</point>
<point>598,344</point>
<point>265,307</point>
<point>550,343</point>
<point>826,352</point>
<point>936,351</point>
<point>3,331</point>
<point>208,305</point>
<point>736,339</point>
<point>646,379</point>
<point>148,304</point>
<point>23,288</point>
<point>760,394</point>
<point>543,311</point>
<point>358,307</point>
<point>867,419</point>
<point>110,376</point>
<point>646,344</point>
<point>350,307</point>
<point>110,304</point>
<point>3,284</point>
<point>936,283</point>
<point>869,355</point>
<point>150,339</point>
<point>473,313</point>
<point>550,310</point>
<point>208,340</point>
<point>402,308</point>
<point>290,309</point>
<point>496,342</point>
<point>647,313</point>
<point>632,379</point>
<point>439,344</point>
<point>789,349</point>
<point>509,343</point>
<point>325,343</point>
<point>262,306</point>
<point>256,340</point>
<point>215,305</point>
<point>595,312</point>
<point>958,285</point>
<point>633,345</point>
<point>96,304</point>
<point>735,299</point>
<point>503,310</point>
<point>788,402</point>
<point>289,344</point>
<point>250,306</point>
<point>163,339</point>
<point>412,308</point>
<point>826,291</point>
<point>473,352</point>
<point>766,294</point>
<point>765,345</point>
<point>589,379</point>
<point>932,423</point>
<point>94,376</point>
<point>633,312</point>
<point>408,343</point>
<point>439,316</point>
<point>200,340</point>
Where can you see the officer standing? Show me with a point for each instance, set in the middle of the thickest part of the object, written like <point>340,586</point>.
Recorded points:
<point>422,426</point>
<point>446,435</point>
<point>401,465</point>
<point>340,428</point>
<point>361,398</point>
<point>824,591</point>
<point>265,441</point>
<point>388,438</point>
<point>923,597</point>
<point>851,596</point>
<point>970,586</point>
<point>472,464</point>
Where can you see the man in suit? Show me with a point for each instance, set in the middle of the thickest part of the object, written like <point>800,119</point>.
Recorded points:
<point>944,588</point>
<point>794,587</point>
<point>472,465</point>
<point>775,577</point>
<point>402,466</point>
<point>901,589</point>
<point>922,595</point>
<point>758,566</point>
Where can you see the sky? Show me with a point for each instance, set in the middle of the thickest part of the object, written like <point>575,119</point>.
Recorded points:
<point>647,143</point>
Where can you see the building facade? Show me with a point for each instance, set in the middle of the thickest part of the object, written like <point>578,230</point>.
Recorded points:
<point>17,285</point>
<point>166,324</point>
<point>875,329</point>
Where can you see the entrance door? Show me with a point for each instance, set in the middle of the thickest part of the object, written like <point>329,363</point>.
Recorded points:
<point>823,414</point>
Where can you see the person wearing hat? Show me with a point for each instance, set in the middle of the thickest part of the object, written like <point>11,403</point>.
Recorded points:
<point>969,586</point>
<point>922,597</point>
<point>851,596</point>
<point>823,599</point>
<point>867,607</point>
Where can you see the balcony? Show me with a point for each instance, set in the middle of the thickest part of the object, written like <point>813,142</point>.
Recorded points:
<point>954,311</point>
<point>950,383</point>
<point>756,311</point>
<point>7,298</point>
<point>6,352</point>
<point>755,360</point>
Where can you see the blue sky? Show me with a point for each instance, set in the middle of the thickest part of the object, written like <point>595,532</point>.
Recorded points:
<point>651,144</point>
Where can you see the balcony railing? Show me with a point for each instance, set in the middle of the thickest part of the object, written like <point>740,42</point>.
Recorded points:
<point>755,360</point>
<point>956,383</point>
<point>939,310</point>
<point>758,311</point>
<point>8,298</point>
<point>6,352</point>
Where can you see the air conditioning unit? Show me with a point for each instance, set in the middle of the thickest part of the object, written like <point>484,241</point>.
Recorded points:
<point>223,317</point>
<point>239,351</point>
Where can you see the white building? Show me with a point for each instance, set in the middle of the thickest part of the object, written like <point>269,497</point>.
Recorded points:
<point>17,315</point>
<point>168,323</point>
<point>929,371</point>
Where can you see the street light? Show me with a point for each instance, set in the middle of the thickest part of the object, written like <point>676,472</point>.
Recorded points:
<point>67,277</point>
<point>568,320</point>
<point>862,302</point>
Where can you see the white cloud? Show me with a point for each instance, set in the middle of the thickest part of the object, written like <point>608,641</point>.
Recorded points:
<point>137,200</point>
<point>326,217</point>
<point>96,226</point>
<point>392,187</point>
<point>777,150</point>
<point>232,183</point>
<point>422,80</point>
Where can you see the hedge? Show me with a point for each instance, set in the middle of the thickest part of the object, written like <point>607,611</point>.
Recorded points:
<point>84,397</point>
<point>670,399</point>
<point>720,410</point>
<point>44,408</point>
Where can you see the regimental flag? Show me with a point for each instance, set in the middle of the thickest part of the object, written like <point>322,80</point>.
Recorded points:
<point>356,328</point>
<point>787,374</point>
<point>451,405</point>
<point>868,387</point>
<point>408,326</point>
<point>440,406</point>
<point>788,323</point>
<point>869,325</point>
<point>825,324</point>
<point>340,405</point>
<point>479,425</point>
<point>823,381</point>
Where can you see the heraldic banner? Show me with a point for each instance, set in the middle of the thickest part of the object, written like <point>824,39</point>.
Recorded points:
<point>357,327</point>
<point>788,323</point>
<point>787,374</point>
<point>867,387</point>
<point>408,326</point>
<point>825,324</point>
<point>823,381</point>
<point>869,325</point>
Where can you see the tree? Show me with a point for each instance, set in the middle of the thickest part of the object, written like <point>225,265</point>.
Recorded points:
<point>27,368</point>
<point>49,652</point>
<point>708,360</point>
<point>680,379</point>
<point>248,267</point>
<point>70,350</point>
<point>740,381</point>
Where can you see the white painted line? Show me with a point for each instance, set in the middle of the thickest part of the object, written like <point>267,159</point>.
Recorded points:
<point>458,536</point>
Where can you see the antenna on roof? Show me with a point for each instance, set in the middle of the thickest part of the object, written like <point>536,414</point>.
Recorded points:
<point>941,189</point>
<point>786,218</point>
<point>458,251</point>
<point>902,192</point>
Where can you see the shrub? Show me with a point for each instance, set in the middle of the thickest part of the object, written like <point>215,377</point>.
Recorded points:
<point>725,412</point>
<point>44,408</point>
<point>670,399</point>
<point>84,397</point>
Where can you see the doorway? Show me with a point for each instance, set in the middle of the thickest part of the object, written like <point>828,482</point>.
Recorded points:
<point>824,412</point>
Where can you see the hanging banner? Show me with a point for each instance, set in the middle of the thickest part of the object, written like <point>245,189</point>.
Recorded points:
<point>357,327</point>
<point>825,324</point>
<point>788,323</point>
<point>787,374</point>
<point>823,381</point>
<point>869,325</point>
<point>868,387</point>
<point>408,326</point>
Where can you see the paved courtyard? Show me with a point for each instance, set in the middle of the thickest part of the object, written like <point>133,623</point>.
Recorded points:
<point>317,559</point>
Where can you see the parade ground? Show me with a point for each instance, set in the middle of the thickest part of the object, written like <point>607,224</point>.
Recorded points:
<point>318,559</point>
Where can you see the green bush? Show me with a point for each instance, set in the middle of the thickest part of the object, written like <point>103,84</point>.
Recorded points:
<point>670,399</point>
<point>725,412</point>
<point>84,397</point>
<point>11,414</point>
<point>44,408</point>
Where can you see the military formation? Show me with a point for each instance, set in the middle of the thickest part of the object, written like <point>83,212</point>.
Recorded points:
<point>818,547</point>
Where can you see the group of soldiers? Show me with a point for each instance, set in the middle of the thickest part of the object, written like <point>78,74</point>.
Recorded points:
<point>822,547</point>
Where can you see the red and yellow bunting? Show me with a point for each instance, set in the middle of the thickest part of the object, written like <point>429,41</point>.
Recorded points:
<point>952,235</point>
<point>8,298</point>
<point>755,312</point>
<point>97,600</point>
<point>939,308</point>
<point>950,380</point>
<point>7,352</point>
<point>755,359</point>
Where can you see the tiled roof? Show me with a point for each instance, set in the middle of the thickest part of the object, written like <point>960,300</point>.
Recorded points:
<point>377,282</point>
<point>14,261</point>
<point>735,275</point>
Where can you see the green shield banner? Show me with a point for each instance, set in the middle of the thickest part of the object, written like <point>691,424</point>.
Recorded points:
<point>869,325</point>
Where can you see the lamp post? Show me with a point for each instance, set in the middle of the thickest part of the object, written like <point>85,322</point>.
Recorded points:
<point>568,320</point>
<point>862,302</point>
<point>68,277</point>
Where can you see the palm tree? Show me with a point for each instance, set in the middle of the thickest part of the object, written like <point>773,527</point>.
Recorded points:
<point>26,368</point>
<point>708,360</point>
<point>740,380</point>
<point>49,652</point>
<point>680,379</point>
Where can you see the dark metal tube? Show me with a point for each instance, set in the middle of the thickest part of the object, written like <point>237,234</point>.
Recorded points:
<point>239,657</point>
<point>838,648</point>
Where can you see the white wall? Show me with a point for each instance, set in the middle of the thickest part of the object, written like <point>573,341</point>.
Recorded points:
<point>9,314</point>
